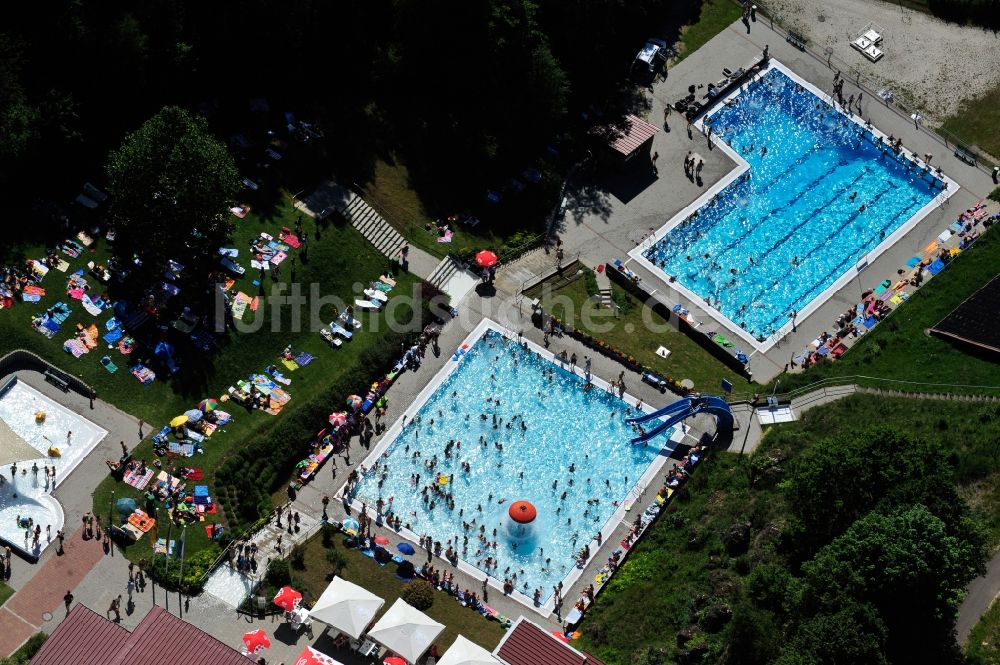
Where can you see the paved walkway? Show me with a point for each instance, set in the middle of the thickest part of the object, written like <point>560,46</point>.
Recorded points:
<point>29,609</point>
<point>979,597</point>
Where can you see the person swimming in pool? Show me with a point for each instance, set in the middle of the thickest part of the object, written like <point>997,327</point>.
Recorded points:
<point>854,195</point>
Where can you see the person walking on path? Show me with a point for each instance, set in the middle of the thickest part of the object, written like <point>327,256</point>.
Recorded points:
<point>68,599</point>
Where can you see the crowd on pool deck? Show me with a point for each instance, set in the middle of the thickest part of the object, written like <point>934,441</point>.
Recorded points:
<point>877,303</point>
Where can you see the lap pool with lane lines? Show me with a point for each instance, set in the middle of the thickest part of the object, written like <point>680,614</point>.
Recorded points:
<point>565,449</point>
<point>819,194</point>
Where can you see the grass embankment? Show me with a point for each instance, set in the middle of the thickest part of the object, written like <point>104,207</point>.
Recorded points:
<point>681,567</point>
<point>514,222</point>
<point>900,349</point>
<point>983,646</point>
<point>315,575</point>
<point>633,334</point>
<point>715,16</point>
<point>338,258</point>
<point>978,123</point>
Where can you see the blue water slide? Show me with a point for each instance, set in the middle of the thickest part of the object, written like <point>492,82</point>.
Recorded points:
<point>685,408</point>
<point>680,405</point>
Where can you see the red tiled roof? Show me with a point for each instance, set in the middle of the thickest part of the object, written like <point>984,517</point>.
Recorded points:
<point>160,639</point>
<point>528,644</point>
<point>629,135</point>
<point>83,638</point>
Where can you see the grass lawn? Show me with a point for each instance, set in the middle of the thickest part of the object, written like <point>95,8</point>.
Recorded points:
<point>390,190</point>
<point>338,258</point>
<point>683,552</point>
<point>5,592</point>
<point>687,360</point>
<point>983,647</point>
<point>978,123</point>
<point>715,16</point>
<point>899,349</point>
<point>361,570</point>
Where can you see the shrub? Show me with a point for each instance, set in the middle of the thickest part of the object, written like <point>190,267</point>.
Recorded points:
<point>195,568</point>
<point>419,594</point>
<point>298,558</point>
<point>279,573</point>
<point>590,280</point>
<point>337,561</point>
<point>27,651</point>
<point>995,195</point>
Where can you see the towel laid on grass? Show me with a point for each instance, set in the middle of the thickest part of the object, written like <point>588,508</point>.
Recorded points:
<point>76,347</point>
<point>239,307</point>
<point>290,364</point>
<point>92,307</point>
<point>304,359</point>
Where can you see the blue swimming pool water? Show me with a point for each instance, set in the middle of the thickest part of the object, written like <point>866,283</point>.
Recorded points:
<point>566,425</point>
<point>775,238</point>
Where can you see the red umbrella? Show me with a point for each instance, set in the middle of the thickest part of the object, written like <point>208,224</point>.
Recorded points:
<point>486,259</point>
<point>338,419</point>
<point>310,656</point>
<point>256,641</point>
<point>381,540</point>
<point>394,660</point>
<point>288,598</point>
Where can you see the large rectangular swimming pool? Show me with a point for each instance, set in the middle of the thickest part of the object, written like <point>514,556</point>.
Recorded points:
<point>815,196</point>
<point>506,424</point>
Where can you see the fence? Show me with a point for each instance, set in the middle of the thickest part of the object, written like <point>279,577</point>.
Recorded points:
<point>872,87</point>
<point>890,387</point>
<point>21,359</point>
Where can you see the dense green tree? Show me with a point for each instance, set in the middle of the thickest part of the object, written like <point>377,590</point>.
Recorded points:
<point>171,183</point>
<point>853,635</point>
<point>17,116</point>
<point>907,566</point>
<point>837,480</point>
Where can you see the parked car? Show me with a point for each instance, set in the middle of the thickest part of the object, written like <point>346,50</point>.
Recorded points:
<point>651,57</point>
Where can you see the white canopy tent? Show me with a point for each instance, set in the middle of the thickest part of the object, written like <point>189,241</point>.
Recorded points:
<point>347,607</point>
<point>406,630</point>
<point>466,652</point>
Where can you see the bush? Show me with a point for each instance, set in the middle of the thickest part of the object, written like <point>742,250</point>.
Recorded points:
<point>995,195</point>
<point>419,594</point>
<point>337,561</point>
<point>195,568</point>
<point>590,279</point>
<point>27,651</point>
<point>298,558</point>
<point>279,573</point>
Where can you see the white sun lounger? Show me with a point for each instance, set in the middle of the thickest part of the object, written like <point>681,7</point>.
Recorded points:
<point>872,36</point>
<point>366,304</point>
<point>375,294</point>
<point>349,321</point>
<point>330,339</point>
<point>338,330</point>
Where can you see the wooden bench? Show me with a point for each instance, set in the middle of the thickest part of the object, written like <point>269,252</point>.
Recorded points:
<point>965,155</point>
<point>56,380</point>
<point>796,40</point>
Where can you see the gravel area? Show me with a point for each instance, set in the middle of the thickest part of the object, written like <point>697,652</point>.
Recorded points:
<point>928,64</point>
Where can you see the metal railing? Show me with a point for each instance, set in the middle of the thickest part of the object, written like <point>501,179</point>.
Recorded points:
<point>20,359</point>
<point>920,389</point>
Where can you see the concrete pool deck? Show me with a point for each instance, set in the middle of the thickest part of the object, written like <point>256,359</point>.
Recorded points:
<point>609,215</point>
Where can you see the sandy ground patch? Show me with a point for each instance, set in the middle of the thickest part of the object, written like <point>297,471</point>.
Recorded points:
<point>928,64</point>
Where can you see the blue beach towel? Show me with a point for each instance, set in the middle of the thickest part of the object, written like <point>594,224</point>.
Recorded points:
<point>936,267</point>
<point>113,336</point>
<point>870,322</point>
<point>913,262</point>
<point>304,359</point>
